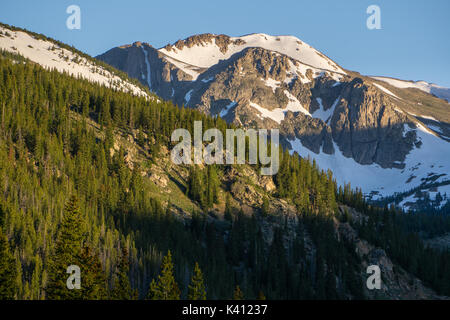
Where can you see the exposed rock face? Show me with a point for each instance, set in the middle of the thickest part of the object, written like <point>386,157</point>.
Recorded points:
<point>396,282</point>
<point>264,82</point>
<point>222,41</point>
<point>367,127</point>
<point>313,133</point>
<point>143,62</point>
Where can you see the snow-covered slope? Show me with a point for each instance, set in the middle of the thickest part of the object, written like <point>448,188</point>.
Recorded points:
<point>432,193</point>
<point>49,55</point>
<point>278,114</point>
<point>206,54</point>
<point>438,91</point>
<point>185,67</point>
<point>421,165</point>
<point>323,114</point>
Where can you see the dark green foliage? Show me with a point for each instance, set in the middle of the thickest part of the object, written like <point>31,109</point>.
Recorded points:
<point>238,295</point>
<point>93,280</point>
<point>228,209</point>
<point>309,188</point>
<point>122,288</point>
<point>197,290</point>
<point>398,235</point>
<point>68,250</point>
<point>203,186</point>
<point>261,295</point>
<point>165,288</point>
<point>7,270</point>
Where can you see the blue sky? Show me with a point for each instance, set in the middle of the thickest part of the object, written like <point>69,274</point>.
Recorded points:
<point>413,43</point>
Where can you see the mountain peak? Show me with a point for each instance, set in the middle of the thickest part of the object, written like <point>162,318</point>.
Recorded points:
<point>205,50</point>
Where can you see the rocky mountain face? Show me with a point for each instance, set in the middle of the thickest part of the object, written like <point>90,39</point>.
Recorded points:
<point>370,131</point>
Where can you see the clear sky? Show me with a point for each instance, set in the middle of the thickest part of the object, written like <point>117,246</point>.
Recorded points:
<point>413,42</point>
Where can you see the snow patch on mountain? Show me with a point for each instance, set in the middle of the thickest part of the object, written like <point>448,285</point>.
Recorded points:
<point>207,80</point>
<point>322,114</point>
<point>227,108</point>
<point>187,97</point>
<point>432,194</point>
<point>294,105</point>
<point>438,91</point>
<point>274,84</point>
<point>406,129</point>
<point>429,118</point>
<point>435,128</point>
<point>186,68</point>
<point>385,90</point>
<point>278,114</point>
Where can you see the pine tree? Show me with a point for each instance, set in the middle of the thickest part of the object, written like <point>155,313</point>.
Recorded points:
<point>238,295</point>
<point>93,280</point>
<point>7,270</point>
<point>212,187</point>
<point>196,290</point>
<point>122,289</point>
<point>261,295</point>
<point>70,251</point>
<point>67,252</point>
<point>165,288</point>
<point>227,214</point>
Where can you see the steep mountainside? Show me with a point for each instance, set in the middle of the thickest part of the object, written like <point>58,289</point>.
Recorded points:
<point>385,136</point>
<point>52,54</point>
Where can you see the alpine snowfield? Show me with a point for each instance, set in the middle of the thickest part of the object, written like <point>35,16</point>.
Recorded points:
<point>421,164</point>
<point>49,55</point>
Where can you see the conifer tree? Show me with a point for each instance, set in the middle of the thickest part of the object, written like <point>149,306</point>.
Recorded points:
<point>227,214</point>
<point>212,187</point>
<point>261,295</point>
<point>67,252</point>
<point>238,295</point>
<point>122,289</point>
<point>7,270</point>
<point>196,290</point>
<point>165,288</point>
<point>93,280</point>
